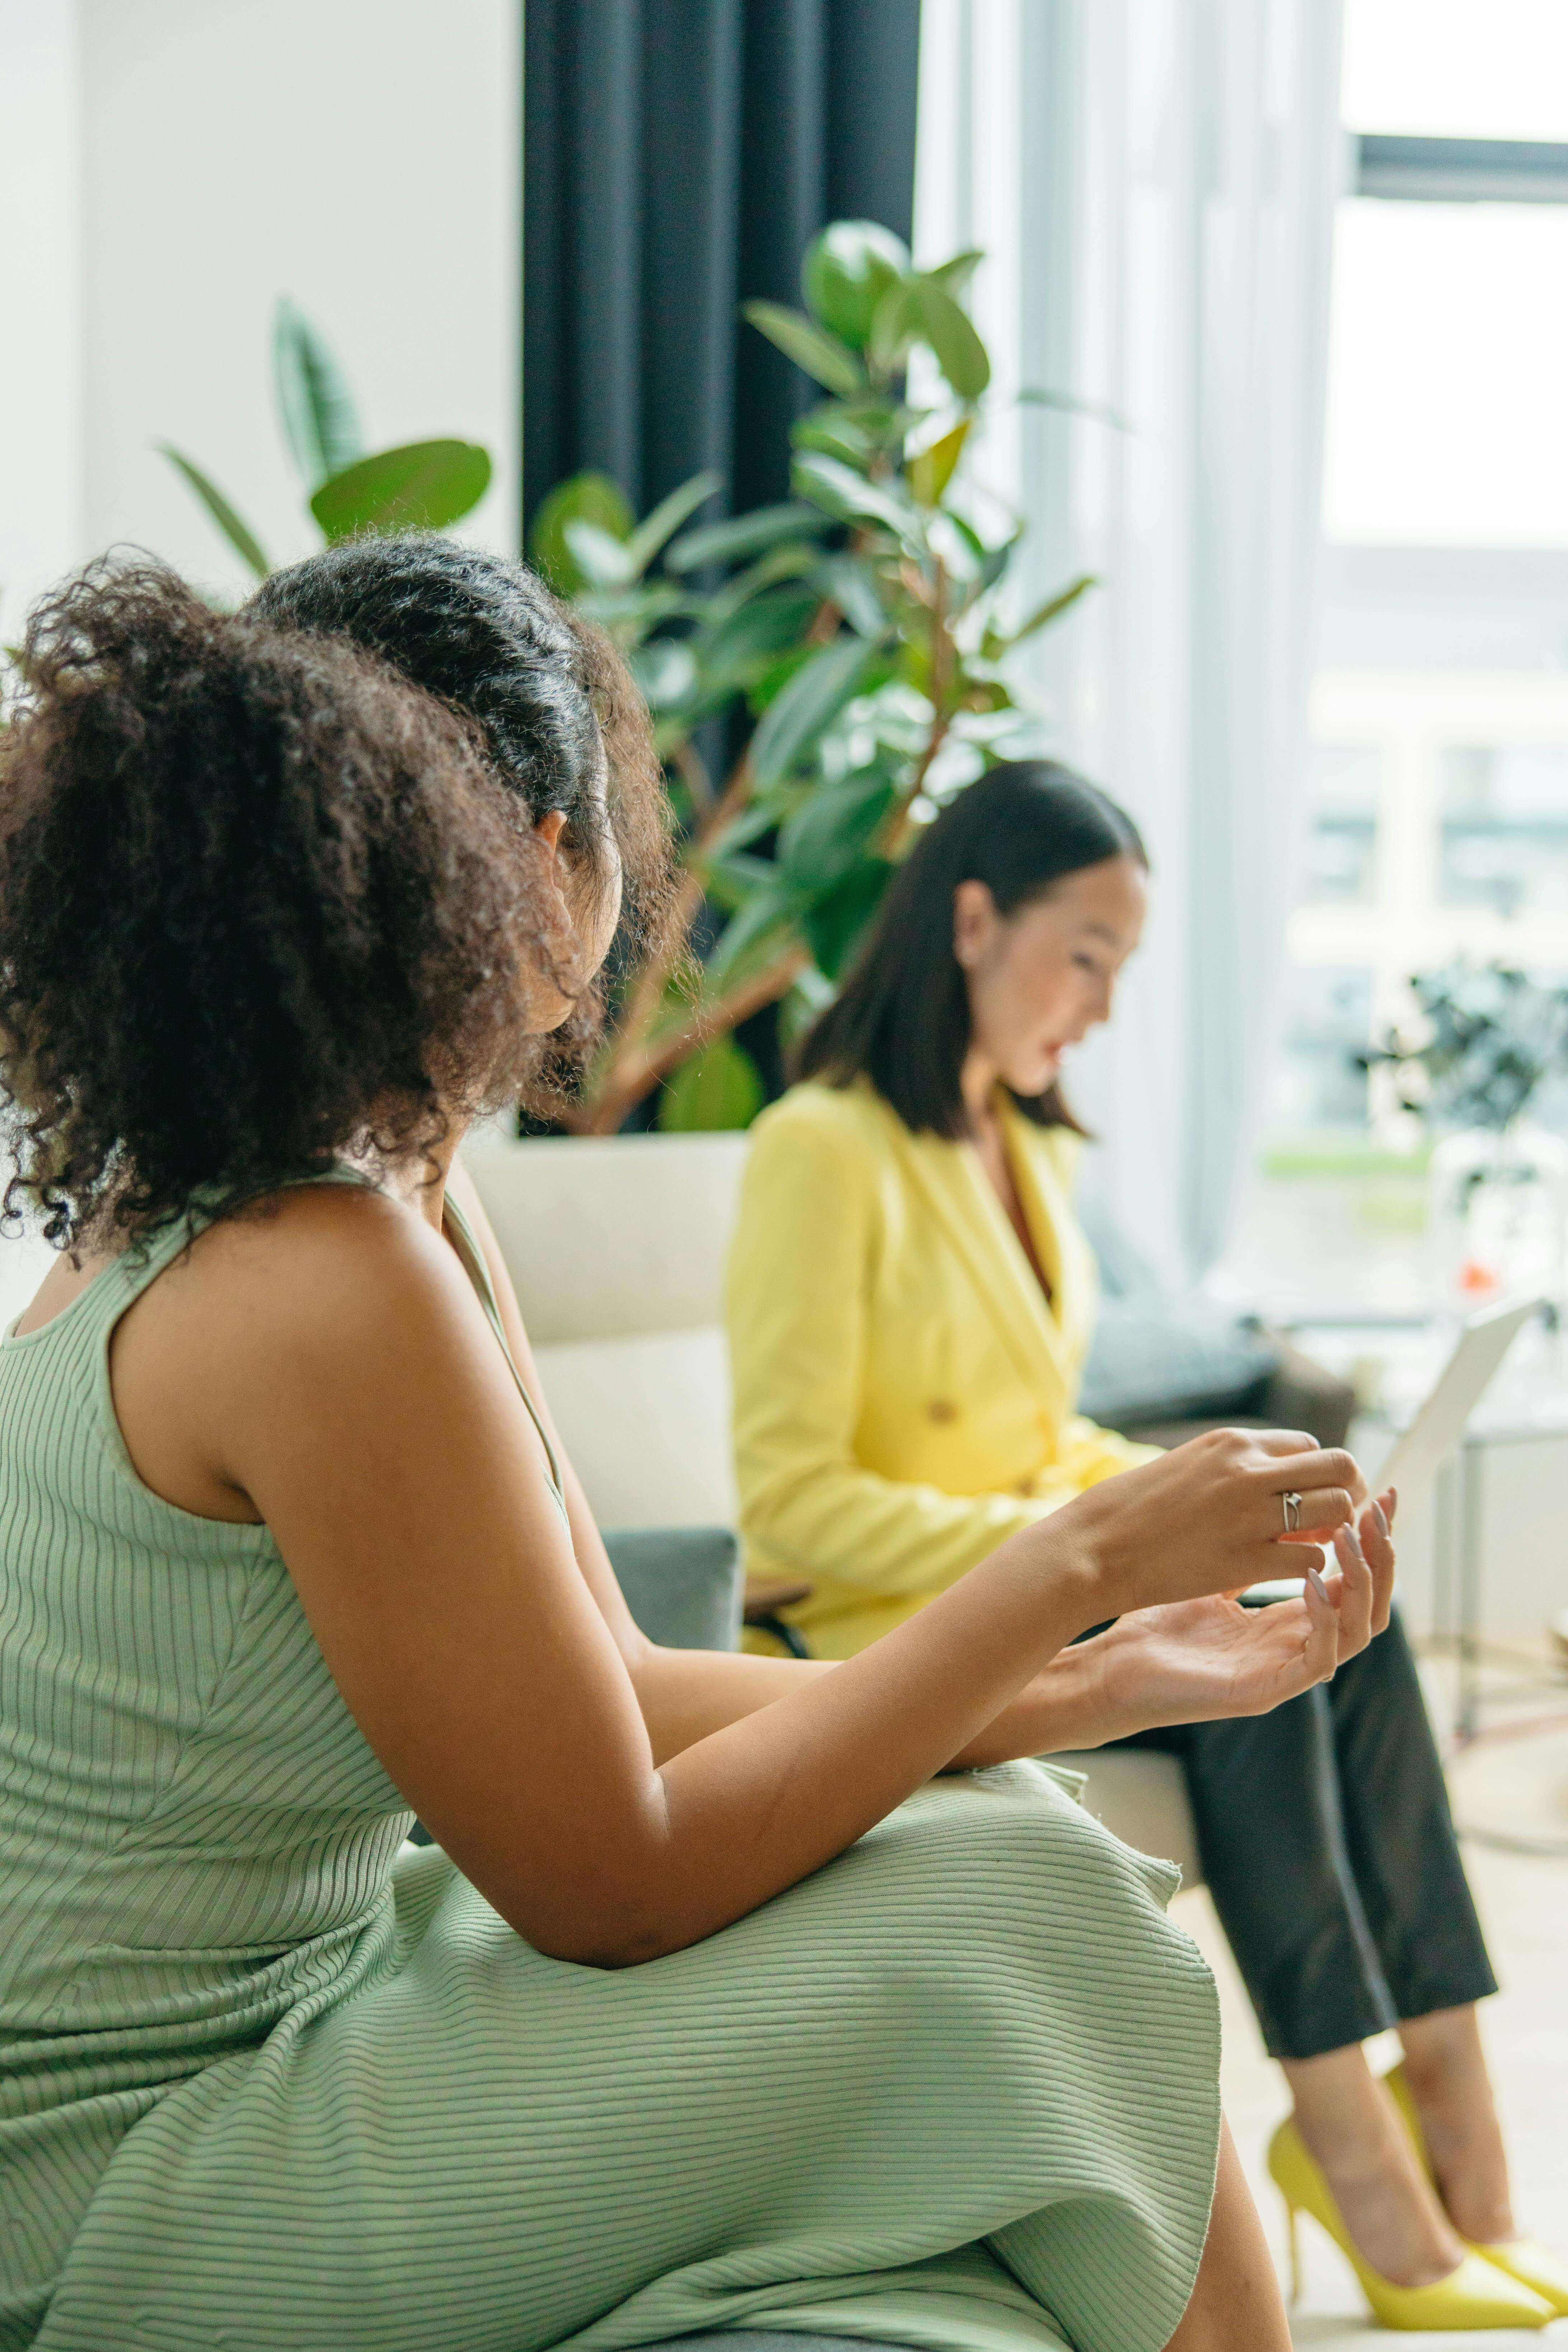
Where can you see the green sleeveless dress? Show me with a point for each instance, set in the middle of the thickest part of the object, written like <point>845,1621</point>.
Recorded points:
<point>272,2081</point>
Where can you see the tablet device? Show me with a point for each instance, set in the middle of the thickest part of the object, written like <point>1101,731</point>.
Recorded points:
<point>1485,1339</point>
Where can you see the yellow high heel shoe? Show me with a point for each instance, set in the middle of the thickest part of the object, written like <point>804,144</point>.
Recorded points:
<point>1474,2295</point>
<point>1522,2258</point>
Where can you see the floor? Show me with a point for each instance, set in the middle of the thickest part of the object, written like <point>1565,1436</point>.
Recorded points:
<point>1512,1786</point>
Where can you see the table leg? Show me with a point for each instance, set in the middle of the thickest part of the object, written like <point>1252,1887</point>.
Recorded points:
<point>1445,1515</point>
<point>1468,1715</point>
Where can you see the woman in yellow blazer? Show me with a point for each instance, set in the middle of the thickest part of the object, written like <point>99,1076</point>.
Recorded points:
<point>910,1300</point>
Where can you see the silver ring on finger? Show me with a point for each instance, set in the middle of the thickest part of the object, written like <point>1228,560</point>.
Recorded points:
<point>1290,1506</point>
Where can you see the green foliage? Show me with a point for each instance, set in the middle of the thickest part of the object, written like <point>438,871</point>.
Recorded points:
<point>238,533</point>
<point>864,627</point>
<point>422,485</point>
<point>314,404</point>
<point>718,1087</point>
<point>1475,1044</point>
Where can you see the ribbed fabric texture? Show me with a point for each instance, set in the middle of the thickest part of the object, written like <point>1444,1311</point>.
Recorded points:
<point>269,2085</point>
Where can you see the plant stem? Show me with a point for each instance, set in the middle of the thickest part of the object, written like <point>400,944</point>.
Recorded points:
<point>631,1077</point>
<point>943,656</point>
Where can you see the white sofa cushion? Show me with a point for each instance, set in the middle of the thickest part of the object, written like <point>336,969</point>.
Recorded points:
<point>605,1235</point>
<point>646,1424</point>
<point>1143,1796</point>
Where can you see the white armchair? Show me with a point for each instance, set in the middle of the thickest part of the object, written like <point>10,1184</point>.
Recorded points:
<point>616,1246</point>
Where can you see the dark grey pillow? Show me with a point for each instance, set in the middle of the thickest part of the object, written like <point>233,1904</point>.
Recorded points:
<point>1169,1359</point>
<point>682,1584</point>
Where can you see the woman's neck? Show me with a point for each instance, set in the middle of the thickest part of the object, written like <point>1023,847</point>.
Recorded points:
<point>977,1083</point>
<point>410,1180</point>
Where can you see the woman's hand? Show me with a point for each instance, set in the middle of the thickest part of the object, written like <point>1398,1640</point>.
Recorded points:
<point>1197,1661</point>
<point>1212,1516</point>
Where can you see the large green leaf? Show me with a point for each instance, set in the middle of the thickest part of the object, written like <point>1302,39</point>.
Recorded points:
<point>930,472</point>
<point>1043,614</point>
<point>845,272</point>
<point>631,613</point>
<point>808,346</point>
<point>846,495</point>
<point>990,559</point>
<point>946,327</point>
<point>727,543</point>
<point>849,581</point>
<point>667,517</point>
<point>752,939</point>
<point>601,559</point>
<point>834,924</point>
<point>747,640</point>
<point>664,671</point>
<point>582,497</point>
<point>731,877</point>
<point>795,720</point>
<point>829,831</point>
<point>717,1090</point>
<point>832,430</point>
<point>317,408</point>
<point>1036,396</point>
<point>955,274</point>
<point>424,486</point>
<point>239,535</point>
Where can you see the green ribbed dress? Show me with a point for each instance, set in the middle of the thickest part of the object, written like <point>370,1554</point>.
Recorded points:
<point>272,2081</point>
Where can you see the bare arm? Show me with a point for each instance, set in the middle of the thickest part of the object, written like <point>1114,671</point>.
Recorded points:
<point>1217,1660</point>
<point>333,1367</point>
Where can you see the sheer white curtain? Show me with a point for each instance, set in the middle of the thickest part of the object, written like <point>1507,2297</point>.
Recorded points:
<point>1153,182</point>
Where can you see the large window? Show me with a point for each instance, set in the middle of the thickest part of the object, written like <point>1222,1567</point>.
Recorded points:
<point>1439,815</point>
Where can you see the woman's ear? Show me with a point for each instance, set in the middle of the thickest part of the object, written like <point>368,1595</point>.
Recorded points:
<point>973,921</point>
<point>550,828</point>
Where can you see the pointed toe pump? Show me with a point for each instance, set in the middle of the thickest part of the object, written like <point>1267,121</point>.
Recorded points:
<point>1533,2266</point>
<point>1476,2295</point>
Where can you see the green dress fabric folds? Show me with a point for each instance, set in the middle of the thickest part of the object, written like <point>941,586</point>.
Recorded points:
<point>272,2081</point>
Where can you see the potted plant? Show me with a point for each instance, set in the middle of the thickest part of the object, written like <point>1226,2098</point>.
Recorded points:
<point>421,484</point>
<point>1467,1057</point>
<point>854,642</point>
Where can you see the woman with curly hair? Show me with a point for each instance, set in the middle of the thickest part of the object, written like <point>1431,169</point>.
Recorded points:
<point>708,2007</point>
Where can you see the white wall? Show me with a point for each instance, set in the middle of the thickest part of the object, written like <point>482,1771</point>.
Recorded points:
<point>171,170</point>
<point>40,413</point>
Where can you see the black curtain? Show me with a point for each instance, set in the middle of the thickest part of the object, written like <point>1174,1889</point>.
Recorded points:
<point>678,157</point>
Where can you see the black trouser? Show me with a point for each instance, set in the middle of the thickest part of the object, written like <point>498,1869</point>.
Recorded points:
<point>1330,1851</point>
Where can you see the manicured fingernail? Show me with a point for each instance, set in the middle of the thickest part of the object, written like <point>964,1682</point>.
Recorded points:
<point>1392,1500</point>
<point>1315,1579</point>
<point>1380,1518</point>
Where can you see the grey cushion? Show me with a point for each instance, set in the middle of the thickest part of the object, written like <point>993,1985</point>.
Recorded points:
<point>1160,1354</point>
<point>682,1584</point>
<point>1168,1358</point>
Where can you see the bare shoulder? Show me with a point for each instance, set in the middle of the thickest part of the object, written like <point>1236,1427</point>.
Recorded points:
<point>323,1308</point>
<point>317,1271</point>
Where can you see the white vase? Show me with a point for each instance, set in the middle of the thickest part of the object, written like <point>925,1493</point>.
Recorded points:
<point>1497,1215</point>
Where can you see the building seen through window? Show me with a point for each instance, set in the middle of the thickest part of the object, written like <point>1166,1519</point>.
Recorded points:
<point>1439,781</point>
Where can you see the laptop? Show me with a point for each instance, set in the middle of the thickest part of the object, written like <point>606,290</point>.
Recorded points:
<point>1417,1456</point>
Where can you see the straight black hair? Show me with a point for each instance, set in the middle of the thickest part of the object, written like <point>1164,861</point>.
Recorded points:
<point>902,1017</point>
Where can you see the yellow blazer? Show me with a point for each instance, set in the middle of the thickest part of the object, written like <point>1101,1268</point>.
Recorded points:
<point>904,1394</point>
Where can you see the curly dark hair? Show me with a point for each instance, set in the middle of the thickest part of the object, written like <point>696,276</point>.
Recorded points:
<point>263,900</point>
<point>558,713</point>
<point>552,698</point>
